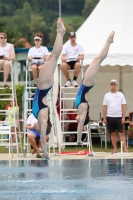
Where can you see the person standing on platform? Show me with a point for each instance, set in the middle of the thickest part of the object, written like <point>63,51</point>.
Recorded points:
<point>114,110</point>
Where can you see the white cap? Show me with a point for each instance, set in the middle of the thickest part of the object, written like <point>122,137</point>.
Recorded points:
<point>36,37</point>
<point>113,81</point>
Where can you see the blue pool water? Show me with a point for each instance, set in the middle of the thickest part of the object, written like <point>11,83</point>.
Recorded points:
<point>93,179</point>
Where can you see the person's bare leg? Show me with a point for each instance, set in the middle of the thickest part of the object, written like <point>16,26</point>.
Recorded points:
<point>43,118</point>
<point>39,145</point>
<point>130,134</point>
<point>13,136</point>
<point>47,71</point>
<point>33,151</point>
<point>65,68</point>
<point>114,141</point>
<point>34,72</point>
<point>44,140</point>
<point>32,141</point>
<point>82,110</point>
<point>93,69</point>
<point>39,67</point>
<point>6,71</point>
<point>123,139</point>
<point>76,69</point>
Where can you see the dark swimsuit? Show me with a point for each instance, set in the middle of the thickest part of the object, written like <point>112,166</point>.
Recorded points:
<point>37,101</point>
<point>80,97</point>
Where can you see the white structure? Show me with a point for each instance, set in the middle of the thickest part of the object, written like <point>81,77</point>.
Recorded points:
<point>11,116</point>
<point>109,15</point>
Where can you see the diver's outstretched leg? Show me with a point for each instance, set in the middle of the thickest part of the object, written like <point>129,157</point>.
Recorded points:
<point>47,71</point>
<point>93,69</point>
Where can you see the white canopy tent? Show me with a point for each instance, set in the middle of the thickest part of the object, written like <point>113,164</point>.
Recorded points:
<point>109,15</point>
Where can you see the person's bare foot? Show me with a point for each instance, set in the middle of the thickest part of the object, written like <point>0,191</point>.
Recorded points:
<point>110,38</point>
<point>80,143</point>
<point>46,156</point>
<point>114,151</point>
<point>126,150</point>
<point>60,26</point>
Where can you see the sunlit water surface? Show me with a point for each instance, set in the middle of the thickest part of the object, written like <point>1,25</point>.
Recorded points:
<point>93,179</point>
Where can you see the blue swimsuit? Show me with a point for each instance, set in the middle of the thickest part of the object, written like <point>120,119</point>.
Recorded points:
<point>80,97</point>
<point>37,101</point>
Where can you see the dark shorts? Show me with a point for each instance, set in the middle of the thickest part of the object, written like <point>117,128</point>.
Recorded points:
<point>114,123</point>
<point>71,64</point>
<point>37,138</point>
<point>35,133</point>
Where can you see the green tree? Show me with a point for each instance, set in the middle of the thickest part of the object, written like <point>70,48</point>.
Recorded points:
<point>72,7</point>
<point>12,34</point>
<point>37,24</point>
<point>49,17</point>
<point>8,7</point>
<point>76,22</point>
<point>52,34</point>
<point>89,5</point>
<point>20,21</point>
<point>24,18</point>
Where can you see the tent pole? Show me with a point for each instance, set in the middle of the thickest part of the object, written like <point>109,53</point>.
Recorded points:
<point>120,78</point>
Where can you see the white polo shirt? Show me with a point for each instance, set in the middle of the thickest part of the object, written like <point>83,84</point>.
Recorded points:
<point>114,102</point>
<point>31,120</point>
<point>38,52</point>
<point>72,52</point>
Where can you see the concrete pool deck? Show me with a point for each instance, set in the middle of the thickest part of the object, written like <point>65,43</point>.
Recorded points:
<point>98,155</point>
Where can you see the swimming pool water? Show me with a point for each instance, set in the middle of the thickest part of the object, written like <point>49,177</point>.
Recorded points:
<point>93,179</point>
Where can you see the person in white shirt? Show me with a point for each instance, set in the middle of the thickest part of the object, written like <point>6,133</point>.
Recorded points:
<point>37,54</point>
<point>71,56</point>
<point>33,134</point>
<point>7,53</point>
<point>114,110</point>
<point>33,129</point>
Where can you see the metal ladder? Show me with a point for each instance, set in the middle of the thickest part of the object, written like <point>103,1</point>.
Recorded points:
<point>11,96</point>
<point>28,97</point>
<point>68,94</point>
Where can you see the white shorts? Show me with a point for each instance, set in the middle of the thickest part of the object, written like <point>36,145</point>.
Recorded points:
<point>37,62</point>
